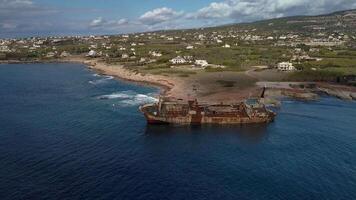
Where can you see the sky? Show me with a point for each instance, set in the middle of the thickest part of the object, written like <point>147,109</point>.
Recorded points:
<point>24,18</point>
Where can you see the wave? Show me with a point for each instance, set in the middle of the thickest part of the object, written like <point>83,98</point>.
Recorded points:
<point>130,98</point>
<point>118,95</point>
<point>99,81</point>
<point>138,100</point>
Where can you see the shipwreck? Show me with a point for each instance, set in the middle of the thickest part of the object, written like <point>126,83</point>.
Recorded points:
<point>171,111</point>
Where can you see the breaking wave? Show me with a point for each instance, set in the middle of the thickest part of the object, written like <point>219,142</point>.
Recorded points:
<point>138,100</point>
<point>130,98</point>
<point>99,81</point>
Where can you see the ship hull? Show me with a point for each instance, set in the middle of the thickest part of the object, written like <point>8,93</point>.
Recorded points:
<point>208,120</point>
<point>194,120</point>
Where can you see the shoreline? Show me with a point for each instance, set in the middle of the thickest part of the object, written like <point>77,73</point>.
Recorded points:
<point>162,88</point>
<point>119,72</point>
<point>177,88</point>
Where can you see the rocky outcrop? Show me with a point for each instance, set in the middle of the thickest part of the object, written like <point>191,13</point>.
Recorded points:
<point>353,95</point>
<point>268,101</point>
<point>341,94</point>
<point>308,96</point>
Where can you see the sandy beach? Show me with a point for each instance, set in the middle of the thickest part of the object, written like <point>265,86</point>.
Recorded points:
<point>164,83</point>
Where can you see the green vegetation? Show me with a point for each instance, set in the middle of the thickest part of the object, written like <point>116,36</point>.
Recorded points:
<point>309,75</point>
<point>328,67</point>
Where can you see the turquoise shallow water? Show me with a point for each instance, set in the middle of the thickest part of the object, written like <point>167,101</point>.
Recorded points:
<point>66,133</point>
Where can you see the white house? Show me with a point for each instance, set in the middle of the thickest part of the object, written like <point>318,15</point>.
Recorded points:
<point>155,54</point>
<point>285,66</point>
<point>178,60</point>
<point>226,46</point>
<point>202,63</point>
<point>50,54</point>
<point>4,49</point>
<point>64,54</point>
<point>190,47</point>
<point>92,53</point>
<point>124,56</point>
<point>142,60</point>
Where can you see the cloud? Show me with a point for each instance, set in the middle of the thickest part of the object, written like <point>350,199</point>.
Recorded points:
<point>111,24</point>
<point>15,3</point>
<point>13,9</point>
<point>159,15</point>
<point>122,22</point>
<point>97,22</point>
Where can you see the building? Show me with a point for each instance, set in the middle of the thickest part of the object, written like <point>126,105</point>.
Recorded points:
<point>92,53</point>
<point>178,60</point>
<point>202,63</point>
<point>64,54</point>
<point>226,46</point>
<point>50,55</point>
<point>190,47</point>
<point>4,49</point>
<point>285,66</point>
<point>143,60</point>
<point>155,54</point>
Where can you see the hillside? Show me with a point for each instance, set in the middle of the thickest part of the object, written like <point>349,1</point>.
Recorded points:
<point>337,21</point>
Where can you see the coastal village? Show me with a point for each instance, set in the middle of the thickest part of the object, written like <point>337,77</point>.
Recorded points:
<point>303,51</point>
<point>182,49</point>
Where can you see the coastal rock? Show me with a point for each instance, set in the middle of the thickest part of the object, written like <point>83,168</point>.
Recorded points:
<point>270,102</point>
<point>345,95</point>
<point>308,96</point>
<point>353,95</point>
<point>273,93</point>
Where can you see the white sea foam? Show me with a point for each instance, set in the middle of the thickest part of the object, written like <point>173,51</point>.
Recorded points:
<point>130,98</point>
<point>138,100</point>
<point>103,80</point>
<point>114,96</point>
<point>119,95</point>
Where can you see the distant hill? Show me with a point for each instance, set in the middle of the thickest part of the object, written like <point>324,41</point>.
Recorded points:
<point>337,21</point>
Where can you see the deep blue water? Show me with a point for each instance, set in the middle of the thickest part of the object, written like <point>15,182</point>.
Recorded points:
<point>66,133</point>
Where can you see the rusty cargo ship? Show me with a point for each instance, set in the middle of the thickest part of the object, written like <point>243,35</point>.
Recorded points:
<point>168,111</point>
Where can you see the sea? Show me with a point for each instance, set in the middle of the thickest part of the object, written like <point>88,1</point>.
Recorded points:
<point>69,133</point>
